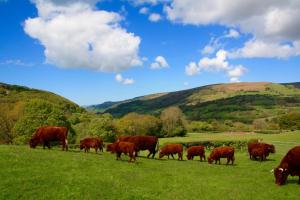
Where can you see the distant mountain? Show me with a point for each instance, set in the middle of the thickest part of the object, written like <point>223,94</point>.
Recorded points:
<point>235,101</point>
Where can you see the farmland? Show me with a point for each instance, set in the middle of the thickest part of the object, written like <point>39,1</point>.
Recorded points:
<point>54,174</point>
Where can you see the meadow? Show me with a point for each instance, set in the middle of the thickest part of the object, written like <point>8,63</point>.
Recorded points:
<point>53,174</point>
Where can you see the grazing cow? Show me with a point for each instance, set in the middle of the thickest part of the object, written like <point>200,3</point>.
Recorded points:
<point>268,148</point>
<point>221,152</point>
<point>258,152</point>
<point>142,143</point>
<point>127,148</point>
<point>93,142</point>
<point>196,151</point>
<point>170,149</point>
<point>289,165</point>
<point>46,134</point>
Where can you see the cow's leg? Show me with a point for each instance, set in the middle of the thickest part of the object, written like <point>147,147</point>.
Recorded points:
<point>299,180</point>
<point>180,156</point>
<point>232,160</point>
<point>48,145</point>
<point>150,152</point>
<point>44,144</point>
<point>173,156</point>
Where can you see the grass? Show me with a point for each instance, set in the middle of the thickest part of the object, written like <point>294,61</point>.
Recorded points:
<point>53,174</point>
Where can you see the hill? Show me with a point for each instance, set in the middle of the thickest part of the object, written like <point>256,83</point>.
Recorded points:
<point>18,103</point>
<point>235,101</point>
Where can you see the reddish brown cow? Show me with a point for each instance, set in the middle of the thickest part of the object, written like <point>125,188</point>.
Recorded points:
<point>45,135</point>
<point>93,142</point>
<point>289,165</point>
<point>221,152</point>
<point>267,148</point>
<point>170,149</point>
<point>142,143</point>
<point>127,148</point>
<point>196,151</point>
<point>258,152</point>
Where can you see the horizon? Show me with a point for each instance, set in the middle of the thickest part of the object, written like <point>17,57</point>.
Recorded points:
<point>97,51</point>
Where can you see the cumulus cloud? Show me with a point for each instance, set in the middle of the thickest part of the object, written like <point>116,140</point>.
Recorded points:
<point>76,35</point>
<point>150,2</point>
<point>127,81</point>
<point>272,22</point>
<point>159,63</point>
<point>154,17</point>
<point>232,33</point>
<point>218,63</point>
<point>144,10</point>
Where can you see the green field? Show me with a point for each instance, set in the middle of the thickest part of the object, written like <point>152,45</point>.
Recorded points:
<point>54,174</point>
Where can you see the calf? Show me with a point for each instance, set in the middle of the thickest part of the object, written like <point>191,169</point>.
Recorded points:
<point>196,151</point>
<point>258,152</point>
<point>289,165</point>
<point>92,142</point>
<point>267,148</point>
<point>221,152</point>
<point>127,148</point>
<point>170,149</point>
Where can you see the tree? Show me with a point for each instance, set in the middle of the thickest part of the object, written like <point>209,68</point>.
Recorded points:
<point>138,124</point>
<point>173,122</point>
<point>290,121</point>
<point>38,113</point>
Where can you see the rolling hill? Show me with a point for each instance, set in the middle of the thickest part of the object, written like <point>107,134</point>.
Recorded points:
<point>235,101</point>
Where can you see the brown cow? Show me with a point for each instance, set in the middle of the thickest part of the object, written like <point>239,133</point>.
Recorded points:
<point>196,151</point>
<point>142,143</point>
<point>289,165</point>
<point>46,134</point>
<point>170,149</point>
<point>92,142</point>
<point>258,152</point>
<point>221,152</point>
<point>127,148</point>
<point>268,148</point>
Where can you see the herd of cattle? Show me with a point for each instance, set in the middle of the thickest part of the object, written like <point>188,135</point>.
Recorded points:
<point>131,145</point>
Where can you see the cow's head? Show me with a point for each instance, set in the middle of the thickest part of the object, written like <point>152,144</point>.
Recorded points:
<point>110,147</point>
<point>161,153</point>
<point>210,160</point>
<point>33,143</point>
<point>189,157</point>
<point>281,175</point>
<point>271,148</point>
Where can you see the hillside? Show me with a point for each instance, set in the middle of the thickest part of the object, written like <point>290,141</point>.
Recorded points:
<point>18,102</point>
<point>235,101</point>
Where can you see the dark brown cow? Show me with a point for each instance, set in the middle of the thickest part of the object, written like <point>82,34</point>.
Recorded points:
<point>258,152</point>
<point>170,149</point>
<point>268,148</point>
<point>289,165</point>
<point>45,135</point>
<point>221,152</point>
<point>127,148</point>
<point>92,142</point>
<point>142,143</point>
<point>196,151</point>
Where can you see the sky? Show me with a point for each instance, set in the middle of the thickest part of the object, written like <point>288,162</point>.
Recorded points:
<point>92,51</point>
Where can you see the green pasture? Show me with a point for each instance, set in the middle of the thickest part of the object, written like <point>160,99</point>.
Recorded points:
<point>53,174</point>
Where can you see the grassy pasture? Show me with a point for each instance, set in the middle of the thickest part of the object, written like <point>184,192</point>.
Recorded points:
<point>53,174</point>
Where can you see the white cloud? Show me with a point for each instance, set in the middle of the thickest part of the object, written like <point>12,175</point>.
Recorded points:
<point>159,63</point>
<point>232,34</point>
<point>192,69</point>
<point>75,35</point>
<point>127,81</point>
<point>217,64</point>
<point>144,10</point>
<point>16,62</point>
<point>271,22</point>
<point>150,2</point>
<point>154,17</point>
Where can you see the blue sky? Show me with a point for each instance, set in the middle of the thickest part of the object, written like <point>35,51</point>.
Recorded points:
<point>95,51</point>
